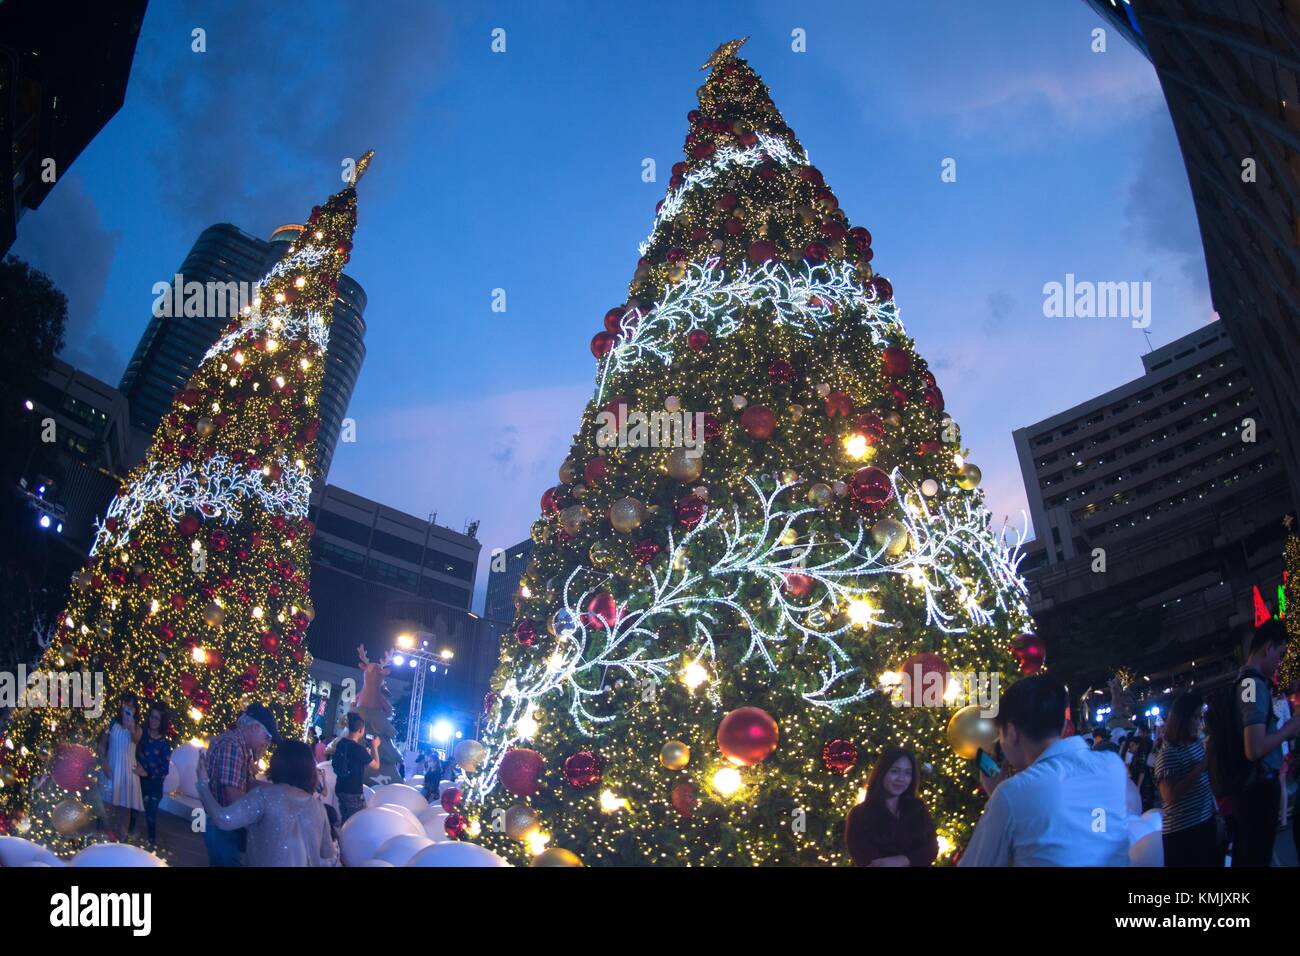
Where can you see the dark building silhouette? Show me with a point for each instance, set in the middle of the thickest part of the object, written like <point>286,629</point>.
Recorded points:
<point>63,76</point>
<point>1230,71</point>
<point>227,262</point>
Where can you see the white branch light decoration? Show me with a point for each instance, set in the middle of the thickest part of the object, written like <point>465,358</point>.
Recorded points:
<point>216,488</point>
<point>280,321</point>
<point>805,299</point>
<point>952,545</point>
<point>768,147</point>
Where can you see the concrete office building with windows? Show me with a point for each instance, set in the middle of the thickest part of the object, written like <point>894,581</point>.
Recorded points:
<point>1175,482</point>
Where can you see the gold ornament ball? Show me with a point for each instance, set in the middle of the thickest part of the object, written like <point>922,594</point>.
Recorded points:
<point>521,822</point>
<point>571,519</point>
<point>823,390</point>
<point>626,515</point>
<point>468,755</point>
<point>677,272</point>
<point>70,817</point>
<point>213,615</point>
<point>820,494</point>
<point>738,402</point>
<point>556,856</point>
<point>579,491</point>
<point>675,755</point>
<point>567,471</point>
<point>890,534</point>
<point>204,427</point>
<point>601,554</point>
<point>672,403</point>
<point>892,419</point>
<point>840,488</point>
<point>686,465</point>
<point>969,732</point>
<point>970,476</point>
<point>929,487</point>
<point>796,412</point>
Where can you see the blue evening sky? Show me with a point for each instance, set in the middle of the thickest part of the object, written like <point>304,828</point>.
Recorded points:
<point>522,171</point>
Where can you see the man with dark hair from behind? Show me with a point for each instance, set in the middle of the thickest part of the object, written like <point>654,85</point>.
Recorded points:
<point>1256,807</point>
<point>1067,805</point>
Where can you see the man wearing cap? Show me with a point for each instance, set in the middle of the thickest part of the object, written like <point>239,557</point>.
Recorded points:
<point>232,759</point>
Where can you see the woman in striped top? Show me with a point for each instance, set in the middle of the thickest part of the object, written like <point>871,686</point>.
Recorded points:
<point>1190,832</point>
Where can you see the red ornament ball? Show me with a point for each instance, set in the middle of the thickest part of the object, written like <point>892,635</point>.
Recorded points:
<point>601,343</point>
<point>684,799</point>
<point>839,756</point>
<point>550,502</point>
<point>645,551</point>
<point>526,633</point>
<point>690,510</point>
<point>1030,652</point>
<point>839,403</point>
<point>747,735</point>
<point>798,585</point>
<point>613,318</point>
<point>934,398</point>
<point>779,370</point>
<point>73,766</point>
<point>188,526</point>
<point>927,672</point>
<point>870,426</point>
<point>758,421</point>
<point>697,339</point>
<point>583,769</point>
<point>521,772</point>
<point>895,361</point>
<point>455,826</point>
<point>870,487</point>
<point>602,611</point>
<point>762,251</point>
<point>595,470</point>
<point>451,798</point>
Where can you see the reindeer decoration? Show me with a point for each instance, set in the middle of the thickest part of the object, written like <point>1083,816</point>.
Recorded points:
<point>376,709</point>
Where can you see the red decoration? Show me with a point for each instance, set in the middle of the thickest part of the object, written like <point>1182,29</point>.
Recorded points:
<point>188,526</point>
<point>798,585</point>
<point>839,403</point>
<point>747,736</point>
<point>690,510</point>
<point>697,339</point>
<point>779,370</point>
<point>595,470</point>
<point>934,398</point>
<point>450,799</point>
<point>870,487</point>
<point>73,766</point>
<point>870,426</point>
<point>602,611</point>
<point>526,633</point>
<point>684,799</point>
<point>918,670</point>
<point>762,251</point>
<point>612,319</point>
<point>583,769</point>
<point>839,756</point>
<point>1030,652</point>
<point>895,361</point>
<point>521,772</point>
<point>883,288</point>
<point>759,422</point>
<point>645,551</point>
<point>601,343</point>
<point>455,826</point>
<point>550,502</point>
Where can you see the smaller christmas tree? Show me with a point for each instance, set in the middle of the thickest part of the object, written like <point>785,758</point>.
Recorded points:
<point>196,592</point>
<point>1290,670</point>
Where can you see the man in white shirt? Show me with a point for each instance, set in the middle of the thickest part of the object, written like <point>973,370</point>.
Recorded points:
<point>1067,804</point>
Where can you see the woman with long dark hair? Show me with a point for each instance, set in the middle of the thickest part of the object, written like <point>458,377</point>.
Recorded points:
<point>892,826</point>
<point>287,824</point>
<point>153,757</point>
<point>1189,830</point>
<point>122,784</point>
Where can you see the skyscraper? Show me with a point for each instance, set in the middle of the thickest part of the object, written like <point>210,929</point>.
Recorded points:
<point>1230,72</point>
<point>182,328</point>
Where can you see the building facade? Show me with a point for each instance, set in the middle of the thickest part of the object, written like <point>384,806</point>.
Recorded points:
<point>63,76</point>
<point>1157,506</point>
<point>1230,72</point>
<point>227,262</point>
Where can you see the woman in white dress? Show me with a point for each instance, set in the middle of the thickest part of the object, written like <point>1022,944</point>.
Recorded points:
<point>122,783</point>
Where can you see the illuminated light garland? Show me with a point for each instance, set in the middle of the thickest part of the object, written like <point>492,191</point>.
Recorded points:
<point>283,322</point>
<point>308,257</point>
<point>216,488</point>
<point>768,147</point>
<point>804,300</point>
<point>945,536</point>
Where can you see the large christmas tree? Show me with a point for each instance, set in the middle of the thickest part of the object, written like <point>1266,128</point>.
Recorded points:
<point>711,641</point>
<point>197,590</point>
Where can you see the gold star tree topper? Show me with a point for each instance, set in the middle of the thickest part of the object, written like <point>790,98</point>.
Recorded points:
<point>723,53</point>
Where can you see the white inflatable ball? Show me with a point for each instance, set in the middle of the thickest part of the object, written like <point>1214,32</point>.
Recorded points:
<point>37,863</point>
<point>1138,827</point>
<point>413,824</point>
<point>456,853</point>
<point>183,775</point>
<point>399,850</point>
<point>1155,816</point>
<point>378,863</point>
<point>435,825</point>
<point>329,779</point>
<point>115,854</point>
<point>15,851</point>
<point>367,830</point>
<point>399,794</point>
<point>368,793</point>
<point>1134,806</point>
<point>1148,851</point>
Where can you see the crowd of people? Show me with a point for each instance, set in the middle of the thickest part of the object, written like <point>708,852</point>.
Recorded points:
<point>1058,799</point>
<point>1213,768</point>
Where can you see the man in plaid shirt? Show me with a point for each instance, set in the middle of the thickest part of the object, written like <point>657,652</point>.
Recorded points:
<point>231,761</point>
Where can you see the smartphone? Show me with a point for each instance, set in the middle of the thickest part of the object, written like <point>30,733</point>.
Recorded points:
<point>988,766</point>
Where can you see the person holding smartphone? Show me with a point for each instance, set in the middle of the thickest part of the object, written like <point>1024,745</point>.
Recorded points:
<point>892,826</point>
<point>122,789</point>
